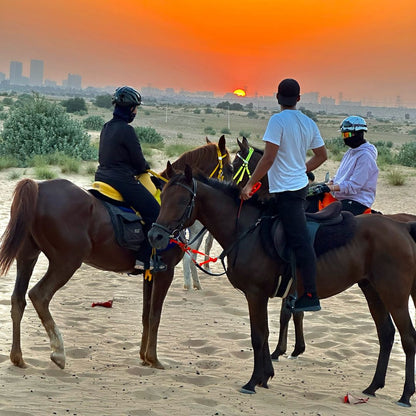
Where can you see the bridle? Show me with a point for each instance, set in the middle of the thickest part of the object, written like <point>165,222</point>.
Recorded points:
<point>174,233</point>
<point>219,166</point>
<point>243,169</point>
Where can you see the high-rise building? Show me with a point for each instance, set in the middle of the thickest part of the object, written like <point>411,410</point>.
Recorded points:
<point>36,72</point>
<point>16,70</point>
<point>74,81</point>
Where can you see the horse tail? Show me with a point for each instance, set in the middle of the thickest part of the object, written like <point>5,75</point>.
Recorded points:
<point>22,214</point>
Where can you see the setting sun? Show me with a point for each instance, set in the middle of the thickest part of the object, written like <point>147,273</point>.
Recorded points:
<point>240,92</point>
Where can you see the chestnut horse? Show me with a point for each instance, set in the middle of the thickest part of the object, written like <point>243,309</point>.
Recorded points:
<point>244,163</point>
<point>380,256</point>
<point>71,227</point>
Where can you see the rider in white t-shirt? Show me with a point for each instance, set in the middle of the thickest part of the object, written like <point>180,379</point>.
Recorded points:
<point>289,135</point>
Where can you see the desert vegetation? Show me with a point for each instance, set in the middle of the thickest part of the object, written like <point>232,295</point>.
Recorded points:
<point>51,136</point>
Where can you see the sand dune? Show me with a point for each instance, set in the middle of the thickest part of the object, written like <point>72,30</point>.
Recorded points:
<point>204,342</point>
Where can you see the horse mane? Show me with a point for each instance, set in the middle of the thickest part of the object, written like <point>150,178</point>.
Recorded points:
<point>195,157</point>
<point>233,191</point>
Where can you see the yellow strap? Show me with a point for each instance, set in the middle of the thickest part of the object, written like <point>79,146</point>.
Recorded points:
<point>244,167</point>
<point>220,175</point>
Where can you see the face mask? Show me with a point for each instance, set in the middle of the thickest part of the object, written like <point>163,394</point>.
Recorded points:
<point>354,141</point>
<point>131,117</point>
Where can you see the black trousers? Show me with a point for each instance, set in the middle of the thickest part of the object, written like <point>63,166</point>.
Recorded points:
<point>353,206</point>
<point>290,208</point>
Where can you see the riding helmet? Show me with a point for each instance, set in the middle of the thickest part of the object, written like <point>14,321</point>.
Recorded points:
<point>126,97</point>
<point>353,123</point>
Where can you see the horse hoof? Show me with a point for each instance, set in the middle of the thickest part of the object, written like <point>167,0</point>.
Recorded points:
<point>19,363</point>
<point>58,359</point>
<point>247,391</point>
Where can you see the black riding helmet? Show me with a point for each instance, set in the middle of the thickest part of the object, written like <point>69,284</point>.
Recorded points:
<point>126,97</point>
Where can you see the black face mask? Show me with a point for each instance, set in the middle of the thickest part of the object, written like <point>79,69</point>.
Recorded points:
<point>354,141</point>
<point>124,113</point>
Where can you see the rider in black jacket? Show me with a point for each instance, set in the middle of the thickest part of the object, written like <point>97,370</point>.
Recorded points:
<point>121,158</point>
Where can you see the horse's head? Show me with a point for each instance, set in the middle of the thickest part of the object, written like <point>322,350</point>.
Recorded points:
<point>245,162</point>
<point>177,207</point>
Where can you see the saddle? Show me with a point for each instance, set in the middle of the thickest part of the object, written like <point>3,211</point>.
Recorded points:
<point>127,223</point>
<point>328,229</point>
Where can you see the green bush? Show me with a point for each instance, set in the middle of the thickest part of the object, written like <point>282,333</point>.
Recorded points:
<point>93,123</point>
<point>148,135</point>
<point>40,127</point>
<point>209,130</point>
<point>385,154</point>
<point>103,101</point>
<point>75,105</point>
<point>225,130</point>
<point>407,155</point>
<point>252,114</point>
<point>8,101</point>
<point>395,178</point>
<point>336,146</point>
<point>244,133</point>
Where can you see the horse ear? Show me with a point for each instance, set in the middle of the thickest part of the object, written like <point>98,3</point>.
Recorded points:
<point>221,143</point>
<point>169,170</point>
<point>188,173</point>
<point>207,140</point>
<point>240,145</point>
<point>245,142</point>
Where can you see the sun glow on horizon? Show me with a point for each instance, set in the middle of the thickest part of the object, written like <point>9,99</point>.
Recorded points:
<point>239,92</point>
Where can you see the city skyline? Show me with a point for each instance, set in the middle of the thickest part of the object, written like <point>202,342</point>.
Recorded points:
<point>366,50</point>
<point>74,81</point>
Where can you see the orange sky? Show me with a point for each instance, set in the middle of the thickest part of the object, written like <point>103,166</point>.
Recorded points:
<point>365,49</point>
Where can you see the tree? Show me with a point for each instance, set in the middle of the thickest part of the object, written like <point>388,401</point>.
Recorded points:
<point>40,127</point>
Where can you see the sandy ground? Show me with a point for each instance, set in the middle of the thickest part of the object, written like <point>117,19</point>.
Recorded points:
<point>204,342</point>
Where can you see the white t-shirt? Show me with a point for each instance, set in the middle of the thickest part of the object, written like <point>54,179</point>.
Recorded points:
<point>294,133</point>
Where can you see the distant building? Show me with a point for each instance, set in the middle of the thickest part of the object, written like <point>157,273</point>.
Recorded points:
<point>16,70</point>
<point>50,83</point>
<point>327,101</point>
<point>2,76</point>
<point>310,98</point>
<point>73,81</point>
<point>36,72</point>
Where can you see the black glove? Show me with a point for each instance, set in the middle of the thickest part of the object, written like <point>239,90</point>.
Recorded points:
<point>321,188</point>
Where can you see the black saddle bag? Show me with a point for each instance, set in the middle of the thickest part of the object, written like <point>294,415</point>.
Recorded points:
<point>127,226</point>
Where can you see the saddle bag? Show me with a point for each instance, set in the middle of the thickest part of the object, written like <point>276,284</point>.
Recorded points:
<point>127,226</point>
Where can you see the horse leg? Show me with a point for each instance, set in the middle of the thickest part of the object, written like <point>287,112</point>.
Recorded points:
<point>407,332</point>
<point>385,333</point>
<point>189,268</point>
<point>263,367</point>
<point>154,293</point>
<point>41,295</point>
<point>208,246</point>
<point>18,304</point>
<point>285,315</point>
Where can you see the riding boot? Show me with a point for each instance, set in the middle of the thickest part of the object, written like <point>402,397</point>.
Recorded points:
<point>156,264</point>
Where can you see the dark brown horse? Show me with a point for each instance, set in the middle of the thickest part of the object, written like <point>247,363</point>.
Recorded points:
<point>72,227</point>
<point>380,257</point>
<point>244,163</point>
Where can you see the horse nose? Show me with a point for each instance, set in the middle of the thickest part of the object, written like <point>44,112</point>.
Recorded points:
<point>157,239</point>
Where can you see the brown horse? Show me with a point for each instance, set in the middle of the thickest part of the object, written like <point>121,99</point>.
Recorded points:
<point>71,227</point>
<point>244,163</point>
<point>380,257</point>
